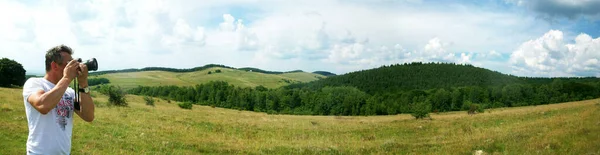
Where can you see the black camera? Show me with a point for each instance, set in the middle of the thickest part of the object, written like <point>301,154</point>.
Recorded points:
<point>91,64</point>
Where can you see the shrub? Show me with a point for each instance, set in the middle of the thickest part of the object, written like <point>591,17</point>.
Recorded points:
<point>218,71</point>
<point>421,110</point>
<point>475,108</point>
<point>149,100</point>
<point>116,95</point>
<point>185,105</point>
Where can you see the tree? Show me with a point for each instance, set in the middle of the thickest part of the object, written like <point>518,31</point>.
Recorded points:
<point>116,95</point>
<point>441,100</point>
<point>149,100</point>
<point>421,110</point>
<point>511,95</point>
<point>185,105</point>
<point>11,73</point>
<point>457,99</point>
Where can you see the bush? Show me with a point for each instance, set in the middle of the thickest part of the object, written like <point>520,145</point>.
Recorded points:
<point>421,110</point>
<point>185,105</point>
<point>475,108</point>
<point>11,73</point>
<point>218,71</point>
<point>149,100</point>
<point>116,95</point>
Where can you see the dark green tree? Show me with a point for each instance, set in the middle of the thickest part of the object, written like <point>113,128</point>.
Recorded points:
<point>11,73</point>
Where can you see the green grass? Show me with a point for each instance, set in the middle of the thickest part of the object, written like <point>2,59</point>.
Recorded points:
<point>566,128</point>
<point>232,76</point>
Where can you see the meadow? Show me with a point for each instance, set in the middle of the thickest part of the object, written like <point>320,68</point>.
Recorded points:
<point>236,77</point>
<point>565,128</point>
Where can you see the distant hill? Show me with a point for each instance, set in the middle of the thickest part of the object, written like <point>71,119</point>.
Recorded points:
<point>415,76</point>
<point>157,76</point>
<point>324,73</point>
<point>251,69</point>
<point>166,69</point>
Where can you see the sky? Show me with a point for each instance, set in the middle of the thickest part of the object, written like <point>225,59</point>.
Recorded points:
<point>534,38</point>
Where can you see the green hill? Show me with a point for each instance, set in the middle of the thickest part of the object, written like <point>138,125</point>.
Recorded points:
<point>413,76</point>
<point>133,78</point>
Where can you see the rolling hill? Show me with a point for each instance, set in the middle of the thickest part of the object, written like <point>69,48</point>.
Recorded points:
<point>242,78</point>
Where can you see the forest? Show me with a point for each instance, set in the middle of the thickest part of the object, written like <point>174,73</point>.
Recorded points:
<point>388,90</point>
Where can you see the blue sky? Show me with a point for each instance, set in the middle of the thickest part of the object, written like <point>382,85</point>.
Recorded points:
<point>519,37</point>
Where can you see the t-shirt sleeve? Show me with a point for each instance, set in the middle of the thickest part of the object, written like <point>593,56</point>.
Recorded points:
<point>31,86</point>
<point>71,92</point>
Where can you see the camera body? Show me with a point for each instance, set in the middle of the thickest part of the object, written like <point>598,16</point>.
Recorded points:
<point>91,64</point>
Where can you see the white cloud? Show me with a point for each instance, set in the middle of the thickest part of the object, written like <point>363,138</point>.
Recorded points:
<point>183,34</point>
<point>552,55</point>
<point>338,36</point>
<point>436,50</point>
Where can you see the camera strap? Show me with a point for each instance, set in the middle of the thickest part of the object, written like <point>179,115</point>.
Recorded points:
<point>76,103</point>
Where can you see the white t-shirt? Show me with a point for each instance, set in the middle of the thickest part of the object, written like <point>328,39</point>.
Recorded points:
<point>50,133</point>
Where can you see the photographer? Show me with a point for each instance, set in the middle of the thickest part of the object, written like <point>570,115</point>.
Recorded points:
<point>49,103</point>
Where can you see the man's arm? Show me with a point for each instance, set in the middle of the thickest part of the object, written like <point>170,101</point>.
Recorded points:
<point>87,107</point>
<point>86,103</point>
<point>46,101</point>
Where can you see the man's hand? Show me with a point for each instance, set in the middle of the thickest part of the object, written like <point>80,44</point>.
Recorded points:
<point>70,71</point>
<point>83,74</point>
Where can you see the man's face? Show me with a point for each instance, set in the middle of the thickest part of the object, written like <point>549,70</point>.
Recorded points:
<point>61,67</point>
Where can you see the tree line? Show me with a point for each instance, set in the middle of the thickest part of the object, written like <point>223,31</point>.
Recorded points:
<point>348,100</point>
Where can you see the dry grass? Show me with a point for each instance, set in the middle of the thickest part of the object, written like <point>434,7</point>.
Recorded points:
<point>567,128</point>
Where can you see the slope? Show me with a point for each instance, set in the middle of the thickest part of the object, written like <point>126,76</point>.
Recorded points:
<point>415,76</point>
<point>233,76</point>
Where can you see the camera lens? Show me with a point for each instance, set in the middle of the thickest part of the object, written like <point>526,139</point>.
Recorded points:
<point>92,64</point>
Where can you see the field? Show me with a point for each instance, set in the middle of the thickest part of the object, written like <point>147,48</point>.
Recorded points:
<point>566,128</point>
<point>232,76</point>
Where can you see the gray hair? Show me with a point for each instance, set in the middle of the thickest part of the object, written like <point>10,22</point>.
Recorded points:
<point>53,54</point>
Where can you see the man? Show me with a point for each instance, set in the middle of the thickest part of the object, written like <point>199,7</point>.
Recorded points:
<point>49,103</point>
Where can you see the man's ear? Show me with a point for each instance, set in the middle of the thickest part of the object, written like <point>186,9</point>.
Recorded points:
<point>53,66</point>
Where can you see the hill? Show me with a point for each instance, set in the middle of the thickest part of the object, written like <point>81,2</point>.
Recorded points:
<point>190,77</point>
<point>566,128</point>
<point>324,73</point>
<point>424,76</point>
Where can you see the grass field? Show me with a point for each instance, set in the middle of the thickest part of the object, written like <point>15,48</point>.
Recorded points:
<point>566,128</point>
<point>232,76</point>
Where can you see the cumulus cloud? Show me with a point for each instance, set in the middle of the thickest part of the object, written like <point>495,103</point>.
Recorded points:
<point>552,55</point>
<point>233,33</point>
<point>338,36</point>
<point>183,34</point>
<point>436,50</point>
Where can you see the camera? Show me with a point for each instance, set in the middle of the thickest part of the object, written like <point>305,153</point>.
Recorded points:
<point>91,64</point>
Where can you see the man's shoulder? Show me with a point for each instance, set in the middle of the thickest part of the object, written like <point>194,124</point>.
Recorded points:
<point>32,81</point>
